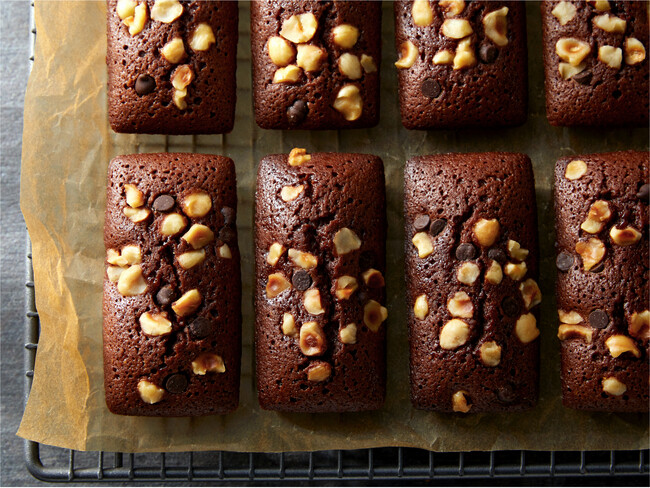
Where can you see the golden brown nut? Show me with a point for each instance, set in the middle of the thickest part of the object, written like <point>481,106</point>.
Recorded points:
<point>125,8</point>
<point>495,25</point>
<point>289,325</point>
<point>172,224</point>
<point>639,325</point>
<point>464,57</point>
<point>374,314</point>
<point>571,317</point>
<point>298,156</point>
<point>572,50</point>
<point>373,278</point>
<point>312,339</point>
<point>564,12</point>
<point>166,11</point>
<point>276,284</point>
<point>494,273</point>
<point>599,213</point>
<point>569,331</point>
<point>349,102</point>
<point>516,251</point>
<point>611,56</point>
<point>345,287</point>
<point>516,271</point>
<point>134,197</point>
<point>452,7</point>
<point>280,51</point>
<point>189,259</point>
<point>187,303</point>
<point>408,54</point>
<point>345,35</point>
<point>454,334</point>
<point>531,293</point>
<point>345,241</point>
<point>312,302</point>
<point>526,328</point>
<point>456,28</point>
<point>149,392</point>
<point>174,50</point>
<point>613,386</point>
<point>131,282</point>
<point>350,66</point>
<point>634,51</point>
<point>490,353</point>
<point>154,324</point>
<point>299,28</point>
<point>198,236</point>
<point>202,37</point>
<point>137,21</point>
<point>303,259</point>
<point>468,273</point>
<point>288,74</point>
<point>275,251</point>
<point>421,307</point>
<point>197,204</point>
<point>486,231</point>
<point>619,344</point>
<point>460,305</point>
<point>625,237</point>
<point>424,244</point>
<point>575,170</point>
<point>610,23</point>
<point>422,13</point>
<point>136,215</point>
<point>310,57</point>
<point>591,252</point>
<point>319,371</point>
<point>290,193</point>
<point>208,362</point>
<point>224,251</point>
<point>460,403</point>
<point>348,334</point>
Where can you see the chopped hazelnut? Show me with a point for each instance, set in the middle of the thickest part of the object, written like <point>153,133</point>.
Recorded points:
<point>373,278</point>
<point>575,170</point>
<point>189,259</point>
<point>280,51</point>
<point>208,362</point>
<point>374,314</point>
<point>289,325</point>
<point>460,305</point>
<point>490,353</point>
<point>197,204</point>
<point>516,251</point>
<point>494,273</point>
<point>443,57</point>
<point>310,57</point>
<point>348,334</point>
<point>113,257</point>
<point>187,303</point>
<point>350,66</point>
<point>312,302</point>
<point>570,331</point>
<point>178,98</point>
<point>454,334</point>
<point>619,344</point>
<point>319,372</point>
<point>349,102</point>
<point>452,7</point>
<point>174,50</point>
<point>464,57</point>
<point>526,328</point>
<point>149,392</point>
<point>611,56</point>
<point>496,26</point>
<point>276,284</point>
<point>408,54</point>
<point>225,252</point>
<point>624,237</point>
<point>166,11</point>
<point>202,37</point>
<point>136,215</point>
<point>113,273</point>
<point>368,64</point>
<point>421,307</point>
<point>486,231</point>
<point>136,22</point>
<point>126,8</point>
<point>459,402</point>
<point>345,35</point>
<point>290,193</point>
<point>345,287</point>
<point>564,12</point>
<point>600,5</point>
<point>571,50</point>
<point>275,251</point>
<point>132,255</point>
<point>613,386</point>
<point>345,241</point>
<point>134,197</point>
<point>299,28</point>
<point>422,13</point>
<point>571,317</point>
<point>610,23</point>
<point>154,324</point>
<point>456,28</point>
<point>312,339</point>
<point>568,71</point>
<point>516,271</point>
<point>198,236</point>
<point>634,51</point>
<point>598,214</point>
<point>298,156</point>
<point>131,282</point>
<point>531,293</point>
<point>182,76</point>
<point>591,252</point>
<point>422,241</point>
<point>288,74</point>
<point>467,273</point>
<point>172,224</point>
<point>639,325</point>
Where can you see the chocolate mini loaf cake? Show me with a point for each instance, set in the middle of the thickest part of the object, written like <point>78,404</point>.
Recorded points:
<point>471,271</point>
<point>601,223</point>
<point>320,231</point>
<point>172,288</point>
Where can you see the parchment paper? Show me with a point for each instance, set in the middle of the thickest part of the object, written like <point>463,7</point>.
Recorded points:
<point>66,147</point>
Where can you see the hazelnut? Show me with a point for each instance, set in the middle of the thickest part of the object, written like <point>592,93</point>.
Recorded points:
<point>624,237</point>
<point>564,12</point>
<point>467,273</point>
<point>421,307</point>
<point>610,23</point>
<point>486,231</point>
<point>613,386</point>
<point>634,51</point>
<point>288,74</point>
<point>299,28</point>
<point>319,372</point>
<point>280,51</point>
<point>155,324</point>
<point>567,71</point>
<point>131,282</point>
<point>125,8</point>
<point>373,278</point>
<point>598,213</point>
<point>131,254</point>
<point>345,35</point>
<point>531,293</point>
<point>459,402</point>
<point>149,392</point>
<point>350,66</point>
<point>408,55</point>
<point>443,57</point>
<point>187,303</point>
<point>345,241</point>
<point>208,362</point>
<point>526,328</point>
<point>224,251</point>
<point>349,102</point>
<point>348,334</point>
<point>310,57</point>
<point>202,37</point>
<point>575,170</point>
<point>289,325</point>
<point>197,204</point>
<point>172,224</point>
<point>611,56</point>
<point>166,11</point>
<point>454,334</point>
<point>571,317</point>
<point>516,271</point>
<point>495,25</point>
<point>422,13</point>
<point>494,273</point>
<point>179,98</point>
<point>619,344</point>
<point>189,259</point>
<point>452,7</point>
<point>464,57</point>
<point>312,302</point>
<point>198,236</point>
<point>570,331</point>
<point>571,50</point>
<point>639,325</point>
<point>182,76</point>
<point>174,50</point>
<point>516,251</point>
<point>138,20</point>
<point>456,28</point>
<point>290,193</point>
<point>312,339</point>
<point>345,287</point>
<point>591,252</point>
<point>368,64</point>
<point>113,273</point>
<point>276,284</point>
<point>275,251</point>
<point>136,215</point>
<point>460,305</point>
<point>374,314</point>
<point>134,197</point>
<point>490,353</point>
<point>600,5</point>
<point>423,243</point>
<point>113,257</point>
<point>298,156</point>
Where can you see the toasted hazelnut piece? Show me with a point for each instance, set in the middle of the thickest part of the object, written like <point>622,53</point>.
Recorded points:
<point>490,353</point>
<point>459,402</point>
<point>452,7</point>
<point>611,56</point>
<point>572,50</point>
<point>600,5</point>
<point>154,324</point>
<point>276,284</point>
<point>368,64</point>
<point>202,37</point>
<point>634,51</point>
<point>172,224</point>
<point>467,273</point>
<point>526,328</point>
<point>138,20</point>
<point>443,57</point>
<point>132,254</point>
<point>570,318</point>
<point>208,362</point>
<point>312,302</point>
<point>374,314</point>
<point>422,13</point>
<point>610,23</point>
<point>350,66</point>
<point>174,50</point>
<point>345,287</point>
<point>531,293</point>
<point>312,339</point>
<point>319,372</point>
<point>460,305</point>
<point>516,251</point>
<point>131,282</point>
<point>598,213</point>
<point>575,170</point>
<point>310,57</point>
<point>591,252</point>
<point>349,102</point>
<point>289,325</point>
<point>486,231</point>
<point>619,344</point>
<point>495,25</point>
<point>182,76</point>
<point>197,204</point>
<point>290,193</point>
<point>149,392</point>
<point>298,156</point>
<point>345,241</point>
<point>225,252</point>
<point>113,257</point>
<point>567,71</point>
<point>570,331</point>
<point>134,197</point>
<point>408,54</point>
<point>624,237</point>
<point>494,274</point>
<point>613,386</point>
<point>299,28</point>
<point>516,271</point>
<point>280,51</point>
<point>564,12</point>
<point>421,307</point>
<point>275,251</point>
<point>166,11</point>
<point>198,236</point>
<point>113,273</point>
<point>456,28</point>
<point>345,35</point>
<point>454,334</point>
<point>125,8</point>
<point>348,334</point>
<point>423,243</point>
<point>288,74</point>
<point>136,215</point>
<point>639,325</point>
<point>373,278</point>
<point>464,57</point>
<point>187,303</point>
<point>178,98</point>
<point>189,259</point>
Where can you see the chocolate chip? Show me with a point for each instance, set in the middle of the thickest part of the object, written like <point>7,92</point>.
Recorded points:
<point>506,394</point>
<point>226,234</point>
<point>421,222</point>
<point>301,280</point>
<point>297,112</point>
<point>598,319</point>
<point>437,226</point>
<point>163,203</point>
<point>144,84</point>
<point>465,251</point>
<point>497,255</point>
<point>228,215</point>
<point>644,192</point>
<point>430,88</point>
<point>165,295</point>
<point>200,328</point>
<point>598,268</point>
<point>510,306</point>
<point>564,261</point>
<point>488,53</point>
<point>367,260</point>
<point>584,77</point>
<point>176,383</point>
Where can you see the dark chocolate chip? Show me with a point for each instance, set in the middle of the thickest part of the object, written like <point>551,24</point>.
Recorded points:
<point>144,84</point>
<point>228,215</point>
<point>165,295</point>
<point>598,319</point>
<point>226,234</point>
<point>465,251</point>
<point>598,268</point>
<point>421,222</point>
<point>510,306</point>
<point>497,255</point>
<point>301,280</point>
<point>367,260</point>
<point>437,226</point>
<point>163,203</point>
<point>584,77</point>
<point>176,383</point>
<point>564,261</point>
<point>200,328</point>
<point>644,192</point>
<point>430,88</point>
<point>297,112</point>
<point>506,394</point>
<point>488,53</point>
